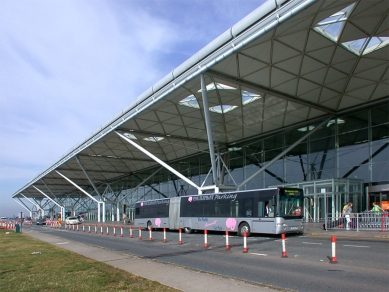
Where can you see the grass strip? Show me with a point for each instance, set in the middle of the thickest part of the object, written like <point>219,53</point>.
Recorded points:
<point>57,269</point>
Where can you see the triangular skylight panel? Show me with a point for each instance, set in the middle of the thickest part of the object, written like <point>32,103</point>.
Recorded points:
<point>130,136</point>
<point>332,26</point>
<point>219,86</point>
<point>376,43</point>
<point>356,46</point>
<point>190,101</point>
<point>222,109</point>
<point>248,97</point>
<point>153,139</point>
<point>366,45</point>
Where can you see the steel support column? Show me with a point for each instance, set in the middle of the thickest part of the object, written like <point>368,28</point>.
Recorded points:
<point>156,159</point>
<point>35,204</point>
<point>17,200</point>
<point>62,208</point>
<point>208,125</point>
<point>88,177</point>
<point>82,190</point>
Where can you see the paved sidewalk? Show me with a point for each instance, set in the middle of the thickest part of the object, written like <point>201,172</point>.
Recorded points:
<point>316,230</point>
<point>167,274</point>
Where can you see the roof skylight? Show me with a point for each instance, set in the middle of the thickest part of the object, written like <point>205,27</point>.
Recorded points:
<point>153,139</point>
<point>219,86</point>
<point>222,109</point>
<point>304,129</point>
<point>376,43</point>
<point>332,28</point>
<point>248,97</point>
<point>190,101</point>
<point>130,136</point>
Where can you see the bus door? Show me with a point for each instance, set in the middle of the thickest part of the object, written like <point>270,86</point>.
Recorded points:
<point>264,221</point>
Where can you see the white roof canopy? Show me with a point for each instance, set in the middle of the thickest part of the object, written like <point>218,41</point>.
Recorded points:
<point>285,65</point>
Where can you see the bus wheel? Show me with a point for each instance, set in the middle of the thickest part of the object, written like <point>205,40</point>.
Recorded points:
<point>188,230</point>
<point>244,227</point>
<point>149,225</point>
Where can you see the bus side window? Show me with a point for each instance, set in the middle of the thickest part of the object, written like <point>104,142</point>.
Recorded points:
<point>247,207</point>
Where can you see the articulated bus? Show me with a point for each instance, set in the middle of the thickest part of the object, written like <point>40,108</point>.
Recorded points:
<point>270,211</point>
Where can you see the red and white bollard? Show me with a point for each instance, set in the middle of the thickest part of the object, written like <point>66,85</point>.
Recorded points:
<point>333,243</point>
<point>180,236</point>
<point>131,232</point>
<point>107,230</point>
<point>205,238</point>
<point>83,228</point>
<point>77,227</point>
<point>114,230</point>
<point>284,255</point>
<point>73,227</point>
<point>121,231</point>
<point>140,233</point>
<point>227,243</point>
<point>88,228</point>
<point>245,248</point>
<point>150,236</point>
<point>95,228</point>
<point>164,235</point>
<point>101,229</point>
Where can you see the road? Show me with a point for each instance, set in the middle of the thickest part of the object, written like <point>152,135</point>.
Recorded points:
<point>362,265</point>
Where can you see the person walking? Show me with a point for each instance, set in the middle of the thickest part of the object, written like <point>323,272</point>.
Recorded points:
<point>376,209</point>
<point>376,213</point>
<point>347,214</point>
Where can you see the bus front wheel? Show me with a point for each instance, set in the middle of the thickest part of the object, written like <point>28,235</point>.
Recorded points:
<point>188,230</point>
<point>244,227</point>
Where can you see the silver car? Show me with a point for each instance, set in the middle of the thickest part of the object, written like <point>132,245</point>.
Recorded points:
<point>72,220</point>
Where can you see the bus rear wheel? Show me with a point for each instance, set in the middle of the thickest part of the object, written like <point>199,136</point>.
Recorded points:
<point>244,227</point>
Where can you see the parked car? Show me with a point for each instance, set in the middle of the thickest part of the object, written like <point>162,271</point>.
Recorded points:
<point>41,221</point>
<point>72,220</point>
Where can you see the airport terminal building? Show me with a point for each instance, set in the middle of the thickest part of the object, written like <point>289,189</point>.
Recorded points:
<point>295,94</point>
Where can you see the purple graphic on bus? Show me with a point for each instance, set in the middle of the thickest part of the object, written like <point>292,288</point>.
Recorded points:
<point>190,199</point>
<point>231,223</point>
<point>157,222</point>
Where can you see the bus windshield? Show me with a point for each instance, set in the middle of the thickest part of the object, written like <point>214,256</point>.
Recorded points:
<point>290,203</point>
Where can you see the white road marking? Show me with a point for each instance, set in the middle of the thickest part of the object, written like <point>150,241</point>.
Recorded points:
<point>260,254</point>
<point>312,242</point>
<point>355,245</point>
<point>62,242</point>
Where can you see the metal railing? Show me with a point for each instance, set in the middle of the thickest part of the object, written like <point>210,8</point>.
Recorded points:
<point>359,221</point>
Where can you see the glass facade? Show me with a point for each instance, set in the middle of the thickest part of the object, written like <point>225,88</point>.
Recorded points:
<point>354,146</point>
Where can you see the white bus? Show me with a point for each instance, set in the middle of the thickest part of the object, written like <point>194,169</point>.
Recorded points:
<point>270,211</point>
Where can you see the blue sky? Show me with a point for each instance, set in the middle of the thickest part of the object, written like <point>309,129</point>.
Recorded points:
<point>67,67</point>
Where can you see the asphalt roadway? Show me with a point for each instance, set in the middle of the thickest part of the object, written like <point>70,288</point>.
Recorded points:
<point>177,276</point>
